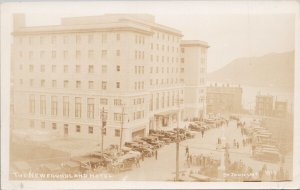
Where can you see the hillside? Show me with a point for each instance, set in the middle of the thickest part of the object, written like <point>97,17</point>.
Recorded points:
<point>272,70</point>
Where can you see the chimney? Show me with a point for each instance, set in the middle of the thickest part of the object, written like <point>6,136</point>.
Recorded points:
<point>19,21</point>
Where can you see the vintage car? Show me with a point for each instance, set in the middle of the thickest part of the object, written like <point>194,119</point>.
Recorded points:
<point>147,152</point>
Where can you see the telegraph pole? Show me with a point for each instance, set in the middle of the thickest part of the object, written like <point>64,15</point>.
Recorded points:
<point>122,122</point>
<point>102,129</point>
<point>177,142</point>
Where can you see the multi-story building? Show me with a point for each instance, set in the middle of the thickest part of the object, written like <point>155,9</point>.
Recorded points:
<point>280,109</point>
<point>224,99</point>
<point>134,73</point>
<point>264,105</point>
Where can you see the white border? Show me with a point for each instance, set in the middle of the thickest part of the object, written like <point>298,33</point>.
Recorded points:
<point>169,7</point>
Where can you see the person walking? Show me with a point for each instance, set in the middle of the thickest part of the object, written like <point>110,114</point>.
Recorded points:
<point>202,132</point>
<point>187,150</point>
<point>142,155</point>
<point>155,154</point>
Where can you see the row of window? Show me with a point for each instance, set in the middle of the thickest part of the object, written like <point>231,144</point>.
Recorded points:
<point>91,68</point>
<point>66,84</point>
<point>65,54</point>
<point>166,48</point>
<point>66,106</point>
<point>164,101</point>
<point>65,39</point>
<point>165,36</point>
<point>162,59</point>
<point>78,128</point>
<point>164,81</point>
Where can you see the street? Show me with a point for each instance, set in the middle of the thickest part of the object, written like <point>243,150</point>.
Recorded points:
<point>164,167</point>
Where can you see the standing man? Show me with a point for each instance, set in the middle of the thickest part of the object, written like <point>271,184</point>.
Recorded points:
<point>156,154</point>
<point>187,150</point>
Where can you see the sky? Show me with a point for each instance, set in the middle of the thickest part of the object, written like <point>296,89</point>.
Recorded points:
<point>238,29</point>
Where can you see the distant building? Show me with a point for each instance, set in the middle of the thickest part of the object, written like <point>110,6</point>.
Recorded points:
<point>224,98</point>
<point>280,109</point>
<point>264,105</point>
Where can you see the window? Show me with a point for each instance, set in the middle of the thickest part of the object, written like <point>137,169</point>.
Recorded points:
<point>117,84</point>
<point>103,101</point>
<point>91,68</point>
<point>31,82</point>
<point>66,83</point>
<point>91,84</point>
<point>78,39</point>
<point>54,84</point>
<point>90,38</point>
<point>66,106</point>
<point>30,54</point>
<point>118,67</point>
<point>42,105</point>
<point>90,108</point>
<point>182,60</point>
<point>53,39</point>
<point>117,116</point>
<point>118,37</point>
<point>53,68</point>
<point>31,68</point>
<point>118,52</point>
<point>42,83</point>
<point>43,124</point>
<point>104,85</point>
<point>42,68</point>
<point>91,130</point>
<point>90,54</point>
<point>78,54</point>
<point>65,54</point>
<point>78,128</point>
<point>104,53</point>
<point>66,68</point>
<point>53,105</point>
<point>31,123</point>
<point>78,84</point>
<point>65,39</point>
<point>104,38</point>
<point>42,54</point>
<point>77,107</point>
<point>77,68</point>
<point>53,54</point>
<point>117,132</point>
<point>31,104</point>
<point>117,102</point>
<point>104,69</point>
<point>53,125</point>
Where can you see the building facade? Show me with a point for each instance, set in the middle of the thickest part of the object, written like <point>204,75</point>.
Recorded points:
<point>125,69</point>
<point>264,105</point>
<point>224,99</point>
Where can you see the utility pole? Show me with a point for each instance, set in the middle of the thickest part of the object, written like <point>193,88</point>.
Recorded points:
<point>177,142</point>
<point>122,122</point>
<point>102,128</point>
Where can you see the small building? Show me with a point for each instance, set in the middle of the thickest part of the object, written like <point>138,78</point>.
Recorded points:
<point>224,98</point>
<point>264,105</point>
<point>280,109</point>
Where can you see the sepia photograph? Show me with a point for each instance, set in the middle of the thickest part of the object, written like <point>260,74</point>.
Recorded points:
<point>142,91</point>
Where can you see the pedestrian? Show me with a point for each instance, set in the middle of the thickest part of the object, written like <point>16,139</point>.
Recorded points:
<point>244,142</point>
<point>187,150</point>
<point>202,132</point>
<point>155,154</point>
<point>234,143</point>
<point>142,155</point>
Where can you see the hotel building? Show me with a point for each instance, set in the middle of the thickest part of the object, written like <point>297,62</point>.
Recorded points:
<point>130,71</point>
